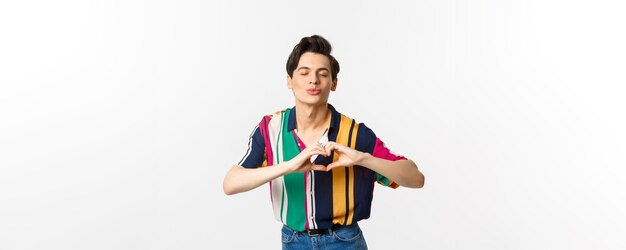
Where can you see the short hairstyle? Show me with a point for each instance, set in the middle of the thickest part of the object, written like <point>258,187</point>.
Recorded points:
<point>315,44</point>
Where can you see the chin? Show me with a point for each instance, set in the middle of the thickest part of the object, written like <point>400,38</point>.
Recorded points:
<point>310,101</point>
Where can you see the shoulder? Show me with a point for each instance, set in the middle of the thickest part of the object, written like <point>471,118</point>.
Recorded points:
<point>274,115</point>
<point>365,138</point>
<point>364,132</point>
<point>278,113</point>
<point>346,122</point>
<point>273,122</point>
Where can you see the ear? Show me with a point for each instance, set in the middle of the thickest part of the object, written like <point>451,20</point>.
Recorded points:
<point>289,83</point>
<point>334,87</point>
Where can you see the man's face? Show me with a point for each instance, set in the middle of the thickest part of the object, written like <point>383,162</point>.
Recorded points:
<point>312,80</point>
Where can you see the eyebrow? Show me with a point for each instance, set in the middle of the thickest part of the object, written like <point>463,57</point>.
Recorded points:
<point>304,67</point>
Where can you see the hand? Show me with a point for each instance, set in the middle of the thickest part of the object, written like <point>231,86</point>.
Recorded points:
<point>302,162</point>
<point>346,156</point>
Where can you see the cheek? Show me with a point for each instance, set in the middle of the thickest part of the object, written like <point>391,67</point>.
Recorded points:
<point>299,80</point>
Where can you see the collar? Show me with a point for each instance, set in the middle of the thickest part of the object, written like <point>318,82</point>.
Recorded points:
<point>335,118</point>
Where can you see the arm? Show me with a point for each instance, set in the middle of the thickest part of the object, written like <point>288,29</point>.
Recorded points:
<point>240,179</point>
<point>403,172</point>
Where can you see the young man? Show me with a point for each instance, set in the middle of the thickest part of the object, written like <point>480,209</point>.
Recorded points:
<point>321,164</point>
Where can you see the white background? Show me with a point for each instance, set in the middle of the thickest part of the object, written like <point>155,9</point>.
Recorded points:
<point>119,119</point>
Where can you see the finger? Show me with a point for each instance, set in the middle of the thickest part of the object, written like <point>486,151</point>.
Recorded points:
<point>315,151</point>
<point>320,150</point>
<point>329,147</point>
<point>331,166</point>
<point>333,147</point>
<point>318,167</point>
<point>334,144</point>
<point>325,151</point>
<point>317,146</point>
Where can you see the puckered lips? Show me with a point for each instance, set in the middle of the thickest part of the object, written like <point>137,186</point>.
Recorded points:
<point>314,91</point>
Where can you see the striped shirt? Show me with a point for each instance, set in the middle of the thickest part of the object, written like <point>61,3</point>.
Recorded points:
<point>317,199</point>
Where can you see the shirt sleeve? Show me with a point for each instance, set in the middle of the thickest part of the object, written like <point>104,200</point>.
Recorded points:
<point>381,151</point>
<point>377,148</point>
<point>255,155</point>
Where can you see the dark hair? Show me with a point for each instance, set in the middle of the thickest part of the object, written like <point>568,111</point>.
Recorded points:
<point>315,44</point>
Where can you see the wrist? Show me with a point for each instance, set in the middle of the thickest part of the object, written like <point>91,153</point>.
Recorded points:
<point>286,167</point>
<point>363,158</point>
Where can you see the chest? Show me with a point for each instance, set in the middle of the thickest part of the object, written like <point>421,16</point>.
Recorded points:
<point>311,138</point>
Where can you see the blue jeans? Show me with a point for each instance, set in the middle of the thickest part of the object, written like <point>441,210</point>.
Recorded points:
<point>348,237</point>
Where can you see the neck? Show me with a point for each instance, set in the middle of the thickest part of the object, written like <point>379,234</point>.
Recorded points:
<point>312,117</point>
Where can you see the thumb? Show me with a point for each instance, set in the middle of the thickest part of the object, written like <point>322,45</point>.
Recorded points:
<point>332,165</point>
<point>318,167</point>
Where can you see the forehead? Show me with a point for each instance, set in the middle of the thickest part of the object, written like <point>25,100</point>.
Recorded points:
<point>313,61</point>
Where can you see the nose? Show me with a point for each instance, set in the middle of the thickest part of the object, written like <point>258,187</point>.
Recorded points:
<point>313,79</point>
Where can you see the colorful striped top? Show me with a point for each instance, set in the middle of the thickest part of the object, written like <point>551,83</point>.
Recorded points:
<point>317,199</point>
